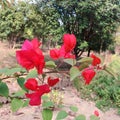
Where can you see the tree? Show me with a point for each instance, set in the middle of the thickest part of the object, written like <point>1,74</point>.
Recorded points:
<point>27,20</point>
<point>12,24</point>
<point>50,27</point>
<point>93,22</point>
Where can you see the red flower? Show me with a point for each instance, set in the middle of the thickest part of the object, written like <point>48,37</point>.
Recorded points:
<point>88,75</point>
<point>66,48</point>
<point>65,54</point>
<point>69,42</point>
<point>34,44</point>
<point>31,84</point>
<point>55,53</point>
<point>96,113</point>
<point>96,60</point>
<point>31,56</point>
<point>35,97</point>
<point>52,82</point>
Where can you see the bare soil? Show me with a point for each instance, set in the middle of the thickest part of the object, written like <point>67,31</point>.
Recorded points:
<point>7,59</point>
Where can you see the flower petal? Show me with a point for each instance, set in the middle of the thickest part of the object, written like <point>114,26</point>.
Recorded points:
<point>43,89</point>
<point>96,113</point>
<point>35,42</point>
<point>52,82</point>
<point>88,75</point>
<point>31,84</point>
<point>30,59</point>
<point>54,54</point>
<point>96,60</point>
<point>69,42</point>
<point>35,99</point>
<point>27,45</point>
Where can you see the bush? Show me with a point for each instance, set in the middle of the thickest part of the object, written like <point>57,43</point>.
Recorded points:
<point>104,89</point>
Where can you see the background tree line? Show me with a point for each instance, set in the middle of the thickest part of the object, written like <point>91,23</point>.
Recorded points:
<point>94,22</point>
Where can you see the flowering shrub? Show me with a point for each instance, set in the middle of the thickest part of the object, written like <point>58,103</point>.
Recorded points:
<point>36,84</point>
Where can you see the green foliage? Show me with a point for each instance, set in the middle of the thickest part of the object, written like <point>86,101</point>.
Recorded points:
<point>4,91</point>
<point>11,71</point>
<point>33,73</point>
<point>16,104</point>
<point>47,114</point>
<point>93,117</point>
<point>104,89</point>
<point>21,82</point>
<point>84,62</point>
<point>80,117</point>
<point>50,64</point>
<point>72,62</point>
<point>74,72</point>
<point>61,115</point>
<point>48,104</point>
<point>74,108</point>
<point>115,64</point>
<point>27,20</point>
<point>19,93</point>
<point>91,21</point>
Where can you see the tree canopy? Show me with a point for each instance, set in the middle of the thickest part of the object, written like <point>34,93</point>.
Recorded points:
<point>92,21</point>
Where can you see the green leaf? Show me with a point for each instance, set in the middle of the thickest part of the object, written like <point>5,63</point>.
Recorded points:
<point>74,108</point>
<point>7,71</point>
<point>16,104</point>
<point>48,104</point>
<point>70,61</point>
<point>61,115</point>
<point>26,103</point>
<point>47,114</point>
<point>21,82</point>
<point>84,62</point>
<point>13,70</point>
<point>50,64</point>
<point>4,91</point>
<point>45,97</point>
<point>3,71</point>
<point>86,59</point>
<point>93,117</point>
<point>74,72</point>
<point>110,71</point>
<point>32,74</point>
<point>80,117</point>
<point>19,93</point>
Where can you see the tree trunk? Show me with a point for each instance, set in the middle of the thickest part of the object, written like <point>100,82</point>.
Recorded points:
<point>88,52</point>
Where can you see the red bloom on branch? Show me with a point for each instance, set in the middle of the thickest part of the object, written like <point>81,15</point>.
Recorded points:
<point>31,84</point>
<point>88,75</point>
<point>55,54</point>
<point>35,97</point>
<point>31,56</point>
<point>52,82</point>
<point>96,61</point>
<point>69,43</point>
<point>96,113</point>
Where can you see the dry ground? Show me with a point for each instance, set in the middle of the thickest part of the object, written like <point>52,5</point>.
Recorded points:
<point>7,58</point>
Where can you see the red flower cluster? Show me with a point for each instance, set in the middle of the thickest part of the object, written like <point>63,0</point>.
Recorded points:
<point>31,56</point>
<point>35,97</point>
<point>89,73</point>
<point>69,43</point>
<point>39,90</point>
